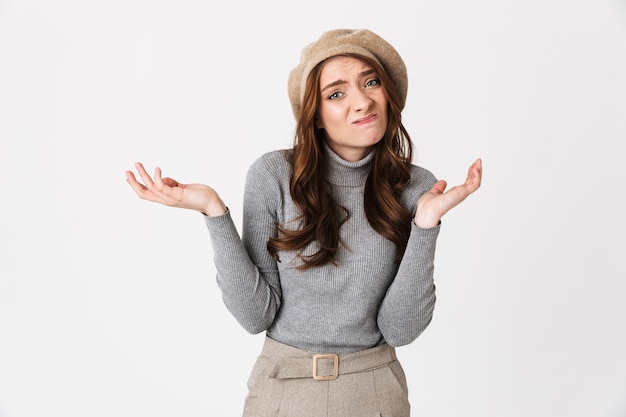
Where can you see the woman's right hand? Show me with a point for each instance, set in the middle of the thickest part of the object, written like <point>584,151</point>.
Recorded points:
<point>170,192</point>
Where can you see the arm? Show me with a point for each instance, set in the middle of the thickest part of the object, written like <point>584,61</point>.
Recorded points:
<point>408,306</point>
<point>246,273</point>
<point>251,294</point>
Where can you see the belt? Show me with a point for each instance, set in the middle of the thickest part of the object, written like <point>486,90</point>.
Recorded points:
<point>329,366</point>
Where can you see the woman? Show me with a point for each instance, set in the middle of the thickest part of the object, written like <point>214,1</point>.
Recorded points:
<point>336,257</point>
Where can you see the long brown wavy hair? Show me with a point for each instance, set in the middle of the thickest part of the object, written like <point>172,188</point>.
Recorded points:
<point>321,217</point>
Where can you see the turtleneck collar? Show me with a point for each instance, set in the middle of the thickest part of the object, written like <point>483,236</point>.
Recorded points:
<point>342,172</point>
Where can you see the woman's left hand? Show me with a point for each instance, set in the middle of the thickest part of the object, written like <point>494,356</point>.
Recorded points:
<point>432,205</point>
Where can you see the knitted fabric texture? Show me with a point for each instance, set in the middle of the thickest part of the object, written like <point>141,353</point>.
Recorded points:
<point>363,301</point>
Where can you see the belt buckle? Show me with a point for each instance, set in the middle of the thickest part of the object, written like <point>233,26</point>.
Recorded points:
<point>335,374</point>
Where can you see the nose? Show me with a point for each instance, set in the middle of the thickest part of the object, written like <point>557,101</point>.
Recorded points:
<point>361,101</point>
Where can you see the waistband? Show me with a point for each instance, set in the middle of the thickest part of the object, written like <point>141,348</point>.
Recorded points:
<point>292,362</point>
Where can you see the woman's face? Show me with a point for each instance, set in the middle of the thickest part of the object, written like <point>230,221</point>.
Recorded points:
<point>353,107</point>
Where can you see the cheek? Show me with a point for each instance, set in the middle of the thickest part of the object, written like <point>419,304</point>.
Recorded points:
<point>330,117</point>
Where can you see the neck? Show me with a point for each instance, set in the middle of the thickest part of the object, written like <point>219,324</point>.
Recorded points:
<point>348,173</point>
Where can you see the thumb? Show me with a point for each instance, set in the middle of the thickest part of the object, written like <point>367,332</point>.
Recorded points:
<point>170,182</point>
<point>439,187</point>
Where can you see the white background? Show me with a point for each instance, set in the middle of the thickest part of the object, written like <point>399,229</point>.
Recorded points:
<point>108,304</point>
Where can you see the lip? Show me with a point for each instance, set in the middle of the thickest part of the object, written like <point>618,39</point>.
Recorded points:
<point>366,119</point>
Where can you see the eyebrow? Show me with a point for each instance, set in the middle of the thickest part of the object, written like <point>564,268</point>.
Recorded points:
<point>339,82</point>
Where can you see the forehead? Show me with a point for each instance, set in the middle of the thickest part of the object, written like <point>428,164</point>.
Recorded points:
<point>343,66</point>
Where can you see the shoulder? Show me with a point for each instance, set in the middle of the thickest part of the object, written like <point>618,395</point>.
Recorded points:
<point>422,177</point>
<point>276,163</point>
<point>269,174</point>
<point>421,181</point>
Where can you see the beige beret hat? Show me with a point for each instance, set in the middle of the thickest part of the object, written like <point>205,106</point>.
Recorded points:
<point>346,41</point>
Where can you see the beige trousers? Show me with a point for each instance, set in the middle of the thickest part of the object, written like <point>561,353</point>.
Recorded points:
<point>290,382</point>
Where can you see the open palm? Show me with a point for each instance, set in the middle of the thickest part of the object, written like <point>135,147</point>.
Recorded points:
<point>433,204</point>
<point>170,192</point>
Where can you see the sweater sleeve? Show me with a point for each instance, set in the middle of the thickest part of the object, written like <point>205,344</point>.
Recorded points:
<point>247,274</point>
<point>408,306</point>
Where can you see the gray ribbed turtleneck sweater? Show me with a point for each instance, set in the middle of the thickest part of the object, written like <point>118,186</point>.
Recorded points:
<point>365,300</point>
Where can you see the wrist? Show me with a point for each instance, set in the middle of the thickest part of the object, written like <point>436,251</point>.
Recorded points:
<point>215,209</point>
<point>426,224</point>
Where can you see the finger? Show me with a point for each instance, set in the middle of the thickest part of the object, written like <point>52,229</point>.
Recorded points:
<point>130,178</point>
<point>478,167</point>
<point>474,174</point>
<point>139,188</point>
<point>147,180</point>
<point>439,187</point>
<point>170,182</point>
<point>158,179</point>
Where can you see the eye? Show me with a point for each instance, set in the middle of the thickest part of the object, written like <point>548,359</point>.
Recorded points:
<point>373,82</point>
<point>335,95</point>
